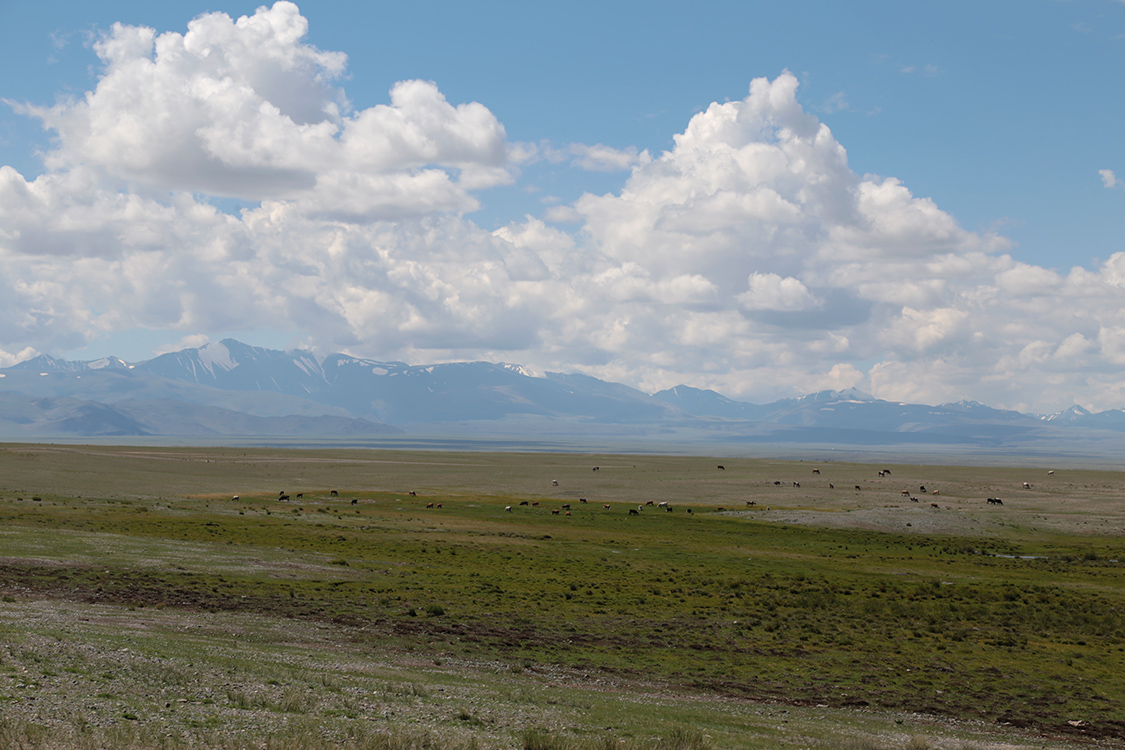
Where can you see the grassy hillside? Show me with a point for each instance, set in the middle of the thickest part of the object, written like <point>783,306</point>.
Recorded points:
<point>141,599</point>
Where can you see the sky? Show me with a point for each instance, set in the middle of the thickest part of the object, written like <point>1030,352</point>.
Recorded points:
<point>921,200</point>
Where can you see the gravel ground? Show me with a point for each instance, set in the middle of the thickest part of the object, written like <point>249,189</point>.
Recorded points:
<point>108,677</point>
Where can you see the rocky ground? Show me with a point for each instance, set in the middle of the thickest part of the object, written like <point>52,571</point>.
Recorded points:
<point>80,675</point>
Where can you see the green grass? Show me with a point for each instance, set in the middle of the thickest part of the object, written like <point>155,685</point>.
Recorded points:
<point>1017,622</point>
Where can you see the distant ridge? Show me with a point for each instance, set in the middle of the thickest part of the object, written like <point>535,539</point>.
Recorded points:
<point>44,363</point>
<point>1113,419</point>
<point>709,403</point>
<point>229,388</point>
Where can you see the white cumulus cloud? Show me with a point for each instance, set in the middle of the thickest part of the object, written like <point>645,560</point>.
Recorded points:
<point>247,109</point>
<point>768,291</point>
<point>749,257</point>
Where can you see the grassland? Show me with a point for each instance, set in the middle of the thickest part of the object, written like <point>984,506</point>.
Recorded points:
<point>143,605</point>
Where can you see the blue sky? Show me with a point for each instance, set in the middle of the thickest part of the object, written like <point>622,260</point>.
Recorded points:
<point>1001,116</point>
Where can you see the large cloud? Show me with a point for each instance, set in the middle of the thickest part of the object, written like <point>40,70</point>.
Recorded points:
<point>749,258</point>
<point>245,109</point>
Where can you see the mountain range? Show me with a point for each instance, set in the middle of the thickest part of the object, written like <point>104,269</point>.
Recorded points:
<point>233,390</point>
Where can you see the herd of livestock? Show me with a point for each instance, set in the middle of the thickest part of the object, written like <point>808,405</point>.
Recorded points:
<point>565,508</point>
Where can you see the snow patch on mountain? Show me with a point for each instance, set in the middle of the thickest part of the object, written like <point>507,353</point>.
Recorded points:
<point>1073,414</point>
<point>216,355</point>
<point>527,372</point>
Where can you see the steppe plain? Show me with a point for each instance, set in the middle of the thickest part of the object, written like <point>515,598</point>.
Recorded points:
<point>802,604</point>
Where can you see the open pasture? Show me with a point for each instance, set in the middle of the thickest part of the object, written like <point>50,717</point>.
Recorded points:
<point>142,600</point>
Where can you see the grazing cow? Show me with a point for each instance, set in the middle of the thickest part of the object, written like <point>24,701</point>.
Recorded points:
<point>566,507</point>
<point>880,473</point>
<point>634,512</point>
<point>922,488</point>
<point>281,493</point>
<point>606,506</point>
<point>887,472</point>
<point>596,468</point>
<point>523,502</point>
<point>582,500</point>
<point>751,502</point>
<point>283,497</point>
<point>995,501</point>
<point>534,503</point>
<point>913,499</point>
<point>722,467</point>
<point>300,495</point>
<point>355,501</point>
<point>233,498</point>
<point>668,509</point>
<point>933,505</point>
<point>777,484</point>
<point>555,512</point>
<point>858,488</point>
<point>935,492</point>
<point>438,506</point>
<point>554,483</point>
<point>1051,473</point>
<point>906,493</point>
<point>796,484</point>
<point>334,493</point>
<point>567,513</point>
<point>816,471</point>
<point>508,508</point>
<point>648,502</point>
<point>662,505</point>
<point>429,505</point>
<point>1026,486</point>
<point>831,486</point>
<point>413,493</point>
<point>720,509</point>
